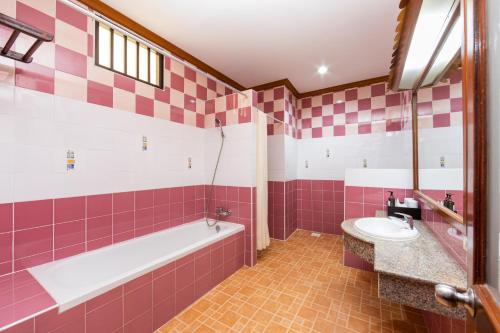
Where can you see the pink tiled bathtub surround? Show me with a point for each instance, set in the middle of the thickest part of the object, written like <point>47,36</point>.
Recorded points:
<point>36,232</point>
<point>20,296</point>
<point>147,302</point>
<point>242,203</point>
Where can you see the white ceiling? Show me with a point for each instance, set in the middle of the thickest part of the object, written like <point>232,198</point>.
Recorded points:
<point>255,42</point>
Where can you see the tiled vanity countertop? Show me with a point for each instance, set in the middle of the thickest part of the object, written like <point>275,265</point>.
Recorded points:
<point>408,270</point>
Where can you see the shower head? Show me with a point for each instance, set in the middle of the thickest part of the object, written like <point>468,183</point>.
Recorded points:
<point>219,124</point>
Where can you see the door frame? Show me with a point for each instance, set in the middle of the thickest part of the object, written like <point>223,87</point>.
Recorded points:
<point>474,64</point>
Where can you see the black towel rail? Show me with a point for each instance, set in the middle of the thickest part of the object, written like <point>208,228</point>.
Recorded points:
<point>18,28</point>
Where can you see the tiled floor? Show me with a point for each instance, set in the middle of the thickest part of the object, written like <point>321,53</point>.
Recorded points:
<point>297,286</point>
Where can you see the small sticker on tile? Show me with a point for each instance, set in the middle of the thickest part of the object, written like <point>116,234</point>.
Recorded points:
<point>70,160</point>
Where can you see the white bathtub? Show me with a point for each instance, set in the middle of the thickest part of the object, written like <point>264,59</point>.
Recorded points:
<point>74,280</point>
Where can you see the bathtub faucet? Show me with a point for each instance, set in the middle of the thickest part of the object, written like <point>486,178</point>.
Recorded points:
<point>222,212</point>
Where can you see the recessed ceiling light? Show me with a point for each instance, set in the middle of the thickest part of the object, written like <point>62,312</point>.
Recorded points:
<point>322,70</point>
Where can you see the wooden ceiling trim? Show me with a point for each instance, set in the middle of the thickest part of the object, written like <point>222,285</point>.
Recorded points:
<point>345,86</point>
<point>277,83</point>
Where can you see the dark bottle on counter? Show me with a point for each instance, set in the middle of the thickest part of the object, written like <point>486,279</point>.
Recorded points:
<point>448,202</point>
<point>391,201</point>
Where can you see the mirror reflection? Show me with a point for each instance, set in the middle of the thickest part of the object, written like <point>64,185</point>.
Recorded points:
<point>440,142</point>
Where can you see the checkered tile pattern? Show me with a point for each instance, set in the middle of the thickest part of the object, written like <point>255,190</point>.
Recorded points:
<point>66,68</point>
<point>280,104</point>
<point>374,109</point>
<point>441,105</point>
<point>230,109</point>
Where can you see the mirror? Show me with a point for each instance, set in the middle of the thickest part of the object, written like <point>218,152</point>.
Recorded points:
<point>440,142</point>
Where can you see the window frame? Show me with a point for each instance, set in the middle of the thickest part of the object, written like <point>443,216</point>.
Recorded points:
<point>160,68</point>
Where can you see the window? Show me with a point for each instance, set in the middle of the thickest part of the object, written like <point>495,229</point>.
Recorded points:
<point>126,56</point>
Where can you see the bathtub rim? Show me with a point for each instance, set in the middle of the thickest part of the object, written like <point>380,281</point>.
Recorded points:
<point>144,269</point>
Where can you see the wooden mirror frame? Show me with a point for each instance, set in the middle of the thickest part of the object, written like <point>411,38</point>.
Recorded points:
<point>407,21</point>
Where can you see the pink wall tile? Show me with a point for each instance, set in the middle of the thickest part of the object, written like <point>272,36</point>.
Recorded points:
<point>189,103</point>
<point>35,77</point>
<point>98,205</point>
<point>441,120</point>
<point>123,202</point>
<point>69,209</point>
<point>69,233</point>
<point>378,89</point>
<point>137,302</point>
<point>98,93</point>
<point>70,16</point>
<point>144,106</point>
<point>71,320</point>
<point>34,17</point>
<point>393,100</point>
<point>144,218</point>
<point>71,62</point>
<point>69,251</point>
<point>353,194</point>
<point>33,214</point>
<point>6,217</point>
<point>125,83</point>
<point>163,95</point>
<point>99,227</point>
<point>177,82</point>
<point>351,95</point>
<point>34,241</point>
<point>6,247</point>
<point>123,222</point>
<point>176,114</point>
<point>441,92</point>
<point>90,45</point>
<point>144,199</point>
<point>189,74</point>
<point>107,318</point>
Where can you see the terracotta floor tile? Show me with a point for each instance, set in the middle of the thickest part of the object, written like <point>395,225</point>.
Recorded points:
<point>298,286</point>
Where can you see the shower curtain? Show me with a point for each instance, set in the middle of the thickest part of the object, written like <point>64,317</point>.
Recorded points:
<point>262,227</point>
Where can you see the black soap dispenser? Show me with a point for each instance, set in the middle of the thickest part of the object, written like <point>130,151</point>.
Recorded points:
<point>448,202</point>
<point>391,201</point>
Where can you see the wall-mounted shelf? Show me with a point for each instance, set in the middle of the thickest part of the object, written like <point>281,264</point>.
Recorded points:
<point>18,28</point>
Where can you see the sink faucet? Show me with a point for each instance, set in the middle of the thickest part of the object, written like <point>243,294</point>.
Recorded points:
<point>407,219</point>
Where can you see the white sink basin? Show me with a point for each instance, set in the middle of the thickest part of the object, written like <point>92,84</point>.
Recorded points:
<point>385,229</point>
